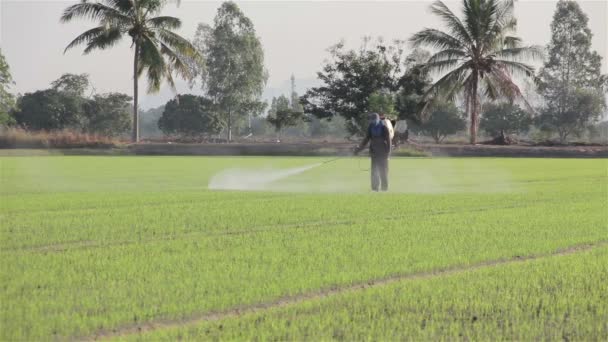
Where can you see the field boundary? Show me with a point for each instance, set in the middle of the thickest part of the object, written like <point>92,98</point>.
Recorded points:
<point>328,292</point>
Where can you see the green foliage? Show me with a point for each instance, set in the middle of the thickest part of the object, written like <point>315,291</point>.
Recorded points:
<point>382,103</point>
<point>412,87</point>
<point>191,116</point>
<point>477,55</point>
<point>579,108</point>
<point>536,300</point>
<point>444,119</point>
<point>90,243</point>
<point>7,100</point>
<point>149,122</point>
<point>504,118</point>
<point>282,115</point>
<point>571,63</point>
<point>233,74</point>
<point>159,51</point>
<point>571,81</point>
<point>350,78</point>
<point>108,114</point>
<point>72,84</point>
<point>49,110</point>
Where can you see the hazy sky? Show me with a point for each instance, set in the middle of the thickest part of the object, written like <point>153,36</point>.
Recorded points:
<point>295,36</point>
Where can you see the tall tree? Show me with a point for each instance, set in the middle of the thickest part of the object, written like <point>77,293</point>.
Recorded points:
<point>233,75</point>
<point>444,119</point>
<point>7,100</point>
<point>108,114</point>
<point>412,86</point>
<point>158,50</point>
<point>349,80</point>
<point>499,119</point>
<point>281,114</point>
<point>191,116</point>
<point>50,110</point>
<point>72,84</point>
<point>571,81</point>
<point>479,52</point>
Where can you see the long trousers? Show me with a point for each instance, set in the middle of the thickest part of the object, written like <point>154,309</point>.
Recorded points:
<point>379,173</point>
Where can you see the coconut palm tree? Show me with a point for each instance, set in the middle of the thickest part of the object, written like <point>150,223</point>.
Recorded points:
<point>158,51</point>
<point>478,55</point>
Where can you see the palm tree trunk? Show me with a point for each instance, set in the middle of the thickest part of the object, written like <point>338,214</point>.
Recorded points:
<point>229,125</point>
<point>474,112</point>
<point>135,135</point>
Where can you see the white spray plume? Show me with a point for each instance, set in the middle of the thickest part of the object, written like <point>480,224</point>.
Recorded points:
<point>261,179</point>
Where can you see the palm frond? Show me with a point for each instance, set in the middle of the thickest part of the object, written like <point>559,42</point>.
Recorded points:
<point>94,11</point>
<point>151,60</point>
<point>176,62</point>
<point>516,68</point>
<point>508,88</point>
<point>452,21</point>
<point>85,37</point>
<point>441,66</point>
<point>449,84</point>
<point>510,42</point>
<point>124,6</point>
<point>108,39</point>
<point>176,42</point>
<point>534,52</point>
<point>448,54</point>
<point>436,39</point>
<point>165,22</point>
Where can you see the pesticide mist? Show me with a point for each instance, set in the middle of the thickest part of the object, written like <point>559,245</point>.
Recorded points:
<point>260,179</point>
<point>352,175</point>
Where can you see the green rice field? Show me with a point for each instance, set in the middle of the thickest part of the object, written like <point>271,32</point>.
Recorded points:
<point>260,248</point>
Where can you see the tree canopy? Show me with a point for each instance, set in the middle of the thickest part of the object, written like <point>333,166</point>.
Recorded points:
<point>477,55</point>
<point>159,52</point>
<point>233,74</point>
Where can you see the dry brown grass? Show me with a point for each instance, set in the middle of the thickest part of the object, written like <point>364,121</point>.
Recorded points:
<point>20,138</point>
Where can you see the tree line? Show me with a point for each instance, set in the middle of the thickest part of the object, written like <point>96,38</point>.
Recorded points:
<point>439,81</point>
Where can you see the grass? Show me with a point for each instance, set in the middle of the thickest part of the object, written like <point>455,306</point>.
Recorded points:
<point>535,300</point>
<point>93,244</point>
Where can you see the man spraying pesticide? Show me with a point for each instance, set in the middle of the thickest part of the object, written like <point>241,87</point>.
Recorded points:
<point>379,138</point>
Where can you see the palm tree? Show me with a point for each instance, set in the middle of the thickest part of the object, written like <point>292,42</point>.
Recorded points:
<point>476,55</point>
<point>157,50</point>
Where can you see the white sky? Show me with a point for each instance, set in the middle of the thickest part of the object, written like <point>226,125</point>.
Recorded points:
<point>295,36</point>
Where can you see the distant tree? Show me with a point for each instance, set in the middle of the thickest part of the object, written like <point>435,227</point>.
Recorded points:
<point>409,100</point>
<point>233,74</point>
<point>504,118</point>
<point>295,98</point>
<point>444,119</point>
<point>282,115</point>
<point>158,50</point>
<point>191,116</point>
<point>571,80</point>
<point>7,100</point>
<point>72,84</point>
<point>583,106</point>
<point>108,114</point>
<point>479,52</point>
<point>350,78</point>
<point>148,123</point>
<point>49,110</point>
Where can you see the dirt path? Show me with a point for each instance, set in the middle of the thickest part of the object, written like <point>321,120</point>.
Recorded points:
<point>292,300</point>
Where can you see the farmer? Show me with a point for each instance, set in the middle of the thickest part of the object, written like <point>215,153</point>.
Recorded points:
<point>379,140</point>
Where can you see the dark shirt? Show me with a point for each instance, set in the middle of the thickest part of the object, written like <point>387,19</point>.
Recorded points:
<point>379,146</point>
